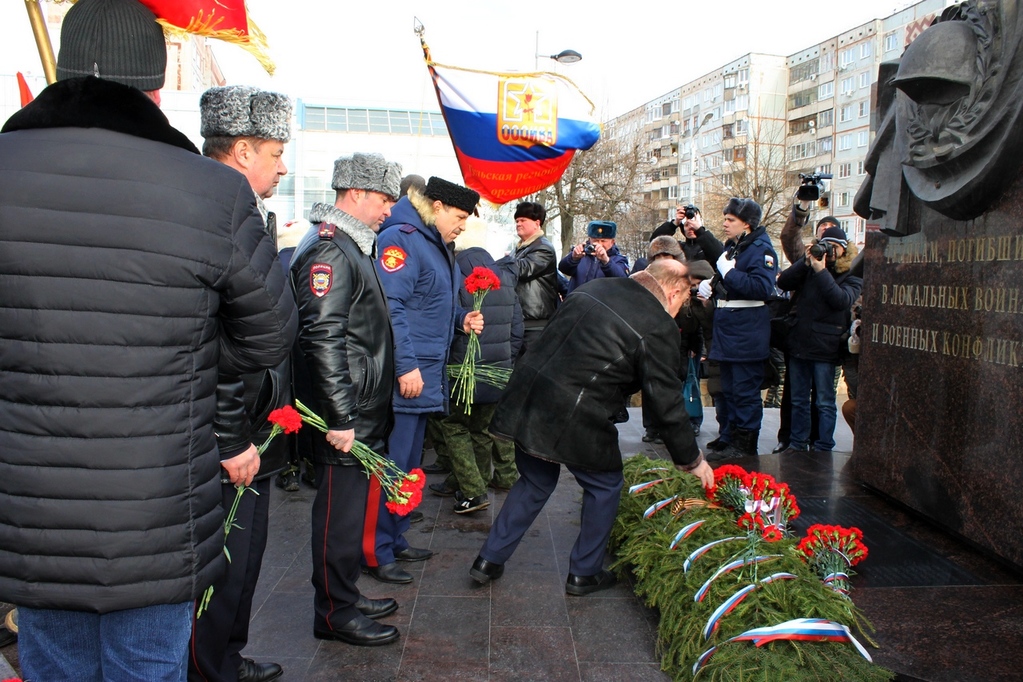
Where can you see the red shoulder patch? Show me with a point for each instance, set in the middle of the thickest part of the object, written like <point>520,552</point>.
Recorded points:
<point>321,278</point>
<point>393,259</point>
<point>327,231</point>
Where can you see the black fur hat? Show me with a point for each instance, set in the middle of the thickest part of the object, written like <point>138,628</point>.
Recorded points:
<point>746,210</point>
<point>450,194</point>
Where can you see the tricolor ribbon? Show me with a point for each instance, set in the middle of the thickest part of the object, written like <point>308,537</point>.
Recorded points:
<point>684,533</point>
<point>640,487</point>
<point>799,629</point>
<point>653,469</point>
<point>707,547</point>
<point>733,601</point>
<point>657,506</point>
<point>727,568</point>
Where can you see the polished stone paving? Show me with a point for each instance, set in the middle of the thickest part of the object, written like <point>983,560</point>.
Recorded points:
<point>943,612</point>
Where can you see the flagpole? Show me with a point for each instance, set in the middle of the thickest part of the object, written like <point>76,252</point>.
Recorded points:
<point>35,17</point>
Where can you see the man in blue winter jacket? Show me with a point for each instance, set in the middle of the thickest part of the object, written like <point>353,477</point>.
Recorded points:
<point>417,270</point>
<point>596,257</point>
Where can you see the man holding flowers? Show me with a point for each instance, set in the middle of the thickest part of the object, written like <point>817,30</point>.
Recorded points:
<point>345,373</point>
<point>418,272</point>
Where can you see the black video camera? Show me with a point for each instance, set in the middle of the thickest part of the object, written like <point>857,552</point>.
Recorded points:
<point>821,249</point>
<point>589,248</point>
<point>811,185</point>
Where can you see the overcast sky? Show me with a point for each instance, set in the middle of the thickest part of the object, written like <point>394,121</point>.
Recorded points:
<point>367,53</point>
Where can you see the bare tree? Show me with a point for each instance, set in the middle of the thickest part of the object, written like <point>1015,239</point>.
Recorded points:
<point>602,183</point>
<point>756,171</point>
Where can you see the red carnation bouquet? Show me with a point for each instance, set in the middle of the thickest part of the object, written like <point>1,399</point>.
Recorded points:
<point>404,491</point>
<point>831,551</point>
<point>285,420</point>
<point>764,505</point>
<point>479,283</point>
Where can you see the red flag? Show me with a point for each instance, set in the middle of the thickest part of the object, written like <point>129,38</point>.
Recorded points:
<point>26,94</point>
<point>226,20</point>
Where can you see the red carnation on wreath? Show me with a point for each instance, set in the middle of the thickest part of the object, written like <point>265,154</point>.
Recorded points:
<point>730,484</point>
<point>831,551</point>
<point>772,534</point>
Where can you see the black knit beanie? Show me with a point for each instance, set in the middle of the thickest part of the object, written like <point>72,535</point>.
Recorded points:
<point>117,40</point>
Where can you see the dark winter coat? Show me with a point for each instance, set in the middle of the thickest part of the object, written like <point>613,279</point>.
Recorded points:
<point>821,304</point>
<point>609,339</point>
<point>705,246</point>
<point>744,334</point>
<point>345,372</point>
<point>131,269</point>
<point>502,333</point>
<point>537,266</point>
<point>588,268</point>
<point>418,273</point>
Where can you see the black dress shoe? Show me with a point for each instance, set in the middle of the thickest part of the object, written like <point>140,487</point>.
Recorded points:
<point>250,671</point>
<point>579,585</point>
<point>435,469</point>
<point>415,517</point>
<point>376,608</point>
<point>484,571</point>
<point>780,447</point>
<point>413,554</point>
<point>717,445</point>
<point>442,490</point>
<point>360,631</point>
<point>390,573</point>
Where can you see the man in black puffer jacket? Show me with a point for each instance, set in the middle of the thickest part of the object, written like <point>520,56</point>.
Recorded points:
<point>471,448</point>
<point>133,270</point>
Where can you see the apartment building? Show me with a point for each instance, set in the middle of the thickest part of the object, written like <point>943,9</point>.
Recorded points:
<point>817,105</point>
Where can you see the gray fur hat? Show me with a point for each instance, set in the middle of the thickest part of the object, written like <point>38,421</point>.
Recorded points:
<point>245,111</point>
<point>746,210</point>
<point>368,171</point>
<point>116,40</point>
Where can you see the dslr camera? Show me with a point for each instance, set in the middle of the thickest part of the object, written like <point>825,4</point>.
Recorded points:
<point>821,249</point>
<point>811,185</point>
<point>589,248</point>
<point>690,211</point>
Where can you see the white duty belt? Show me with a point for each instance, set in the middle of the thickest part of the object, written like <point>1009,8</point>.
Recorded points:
<point>739,304</point>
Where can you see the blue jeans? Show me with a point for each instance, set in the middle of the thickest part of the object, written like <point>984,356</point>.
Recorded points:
<point>148,644</point>
<point>821,375</point>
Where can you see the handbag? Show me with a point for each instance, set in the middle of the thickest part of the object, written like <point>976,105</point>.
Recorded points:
<point>691,391</point>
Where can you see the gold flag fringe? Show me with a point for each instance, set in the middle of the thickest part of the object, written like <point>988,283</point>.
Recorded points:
<point>255,42</point>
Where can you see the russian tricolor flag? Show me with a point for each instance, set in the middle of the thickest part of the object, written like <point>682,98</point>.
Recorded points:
<point>513,133</point>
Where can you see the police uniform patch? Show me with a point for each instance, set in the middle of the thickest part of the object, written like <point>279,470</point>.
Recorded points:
<point>769,261</point>
<point>321,277</point>
<point>393,259</point>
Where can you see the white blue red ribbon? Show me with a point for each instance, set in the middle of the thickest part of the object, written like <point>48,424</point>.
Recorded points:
<point>685,532</point>
<point>707,547</point>
<point>727,568</point>
<point>657,506</point>
<point>733,601</point>
<point>640,487</point>
<point>799,629</point>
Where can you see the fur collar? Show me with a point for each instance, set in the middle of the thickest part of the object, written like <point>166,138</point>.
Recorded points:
<point>97,103</point>
<point>424,207</point>
<point>361,234</point>
<point>843,264</point>
<point>647,281</point>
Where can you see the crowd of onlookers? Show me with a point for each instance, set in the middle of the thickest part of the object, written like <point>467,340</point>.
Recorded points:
<point>151,322</point>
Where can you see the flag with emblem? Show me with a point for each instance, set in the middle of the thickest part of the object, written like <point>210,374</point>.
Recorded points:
<point>513,133</point>
<point>226,20</point>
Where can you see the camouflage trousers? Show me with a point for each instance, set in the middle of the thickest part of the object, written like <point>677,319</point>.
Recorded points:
<point>473,453</point>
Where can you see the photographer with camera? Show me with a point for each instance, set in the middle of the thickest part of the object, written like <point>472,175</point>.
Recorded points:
<point>698,242</point>
<point>823,292</point>
<point>596,257</point>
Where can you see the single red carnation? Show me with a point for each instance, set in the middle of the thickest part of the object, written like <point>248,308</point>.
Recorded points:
<point>772,534</point>
<point>287,418</point>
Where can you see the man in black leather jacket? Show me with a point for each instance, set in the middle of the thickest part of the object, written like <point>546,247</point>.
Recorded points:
<point>348,360</point>
<point>245,129</point>
<point>537,265</point>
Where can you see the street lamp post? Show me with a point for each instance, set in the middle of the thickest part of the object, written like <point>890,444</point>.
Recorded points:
<point>692,156</point>
<point>563,57</point>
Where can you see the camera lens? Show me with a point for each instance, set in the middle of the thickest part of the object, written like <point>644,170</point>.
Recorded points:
<point>690,214</point>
